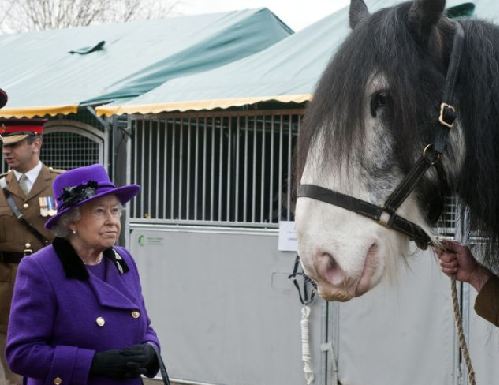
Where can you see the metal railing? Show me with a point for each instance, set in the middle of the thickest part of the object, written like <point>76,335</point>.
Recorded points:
<point>68,145</point>
<point>226,168</point>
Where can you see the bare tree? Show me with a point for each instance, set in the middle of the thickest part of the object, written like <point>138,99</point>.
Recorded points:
<point>29,15</point>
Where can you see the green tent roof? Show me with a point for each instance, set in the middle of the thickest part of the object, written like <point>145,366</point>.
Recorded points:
<point>56,71</point>
<point>285,72</point>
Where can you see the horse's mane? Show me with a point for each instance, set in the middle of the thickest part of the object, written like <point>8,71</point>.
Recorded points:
<point>479,106</point>
<point>383,44</point>
<point>386,44</point>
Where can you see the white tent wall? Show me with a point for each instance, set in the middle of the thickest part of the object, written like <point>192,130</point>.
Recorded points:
<point>400,333</point>
<point>223,306</point>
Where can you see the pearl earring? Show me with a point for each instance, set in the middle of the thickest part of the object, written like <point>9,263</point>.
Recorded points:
<point>74,231</point>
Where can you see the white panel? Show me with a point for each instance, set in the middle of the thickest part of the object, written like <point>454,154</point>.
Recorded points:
<point>223,306</point>
<point>400,333</point>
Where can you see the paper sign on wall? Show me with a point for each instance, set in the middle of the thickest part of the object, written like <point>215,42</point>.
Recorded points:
<point>287,237</point>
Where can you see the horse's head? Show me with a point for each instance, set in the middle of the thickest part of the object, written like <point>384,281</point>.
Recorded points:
<point>372,114</point>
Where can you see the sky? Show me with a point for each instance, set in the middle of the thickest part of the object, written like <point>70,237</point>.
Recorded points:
<point>297,14</point>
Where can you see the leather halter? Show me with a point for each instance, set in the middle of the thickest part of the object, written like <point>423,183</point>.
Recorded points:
<point>431,156</point>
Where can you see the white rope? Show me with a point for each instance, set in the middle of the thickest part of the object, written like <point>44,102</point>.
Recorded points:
<point>460,333</point>
<point>306,357</point>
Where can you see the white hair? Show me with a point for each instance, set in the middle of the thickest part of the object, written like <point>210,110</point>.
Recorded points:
<point>61,228</point>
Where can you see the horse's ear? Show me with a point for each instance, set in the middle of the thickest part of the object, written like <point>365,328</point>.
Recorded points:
<point>358,12</point>
<point>424,14</point>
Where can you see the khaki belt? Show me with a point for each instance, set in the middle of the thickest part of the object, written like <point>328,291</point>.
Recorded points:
<point>11,257</point>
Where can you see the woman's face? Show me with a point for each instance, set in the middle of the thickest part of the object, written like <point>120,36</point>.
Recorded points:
<point>99,225</point>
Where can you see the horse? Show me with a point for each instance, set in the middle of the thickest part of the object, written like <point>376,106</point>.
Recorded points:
<point>373,115</point>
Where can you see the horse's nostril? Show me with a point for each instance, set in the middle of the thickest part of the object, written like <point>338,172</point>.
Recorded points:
<point>372,249</point>
<point>328,259</point>
<point>328,268</point>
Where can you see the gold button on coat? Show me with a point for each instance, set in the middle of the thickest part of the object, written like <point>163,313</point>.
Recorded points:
<point>135,314</point>
<point>58,381</point>
<point>100,321</point>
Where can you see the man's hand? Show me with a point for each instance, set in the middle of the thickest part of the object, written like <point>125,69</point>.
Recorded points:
<point>457,262</point>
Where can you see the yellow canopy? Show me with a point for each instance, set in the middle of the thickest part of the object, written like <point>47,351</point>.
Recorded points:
<point>39,111</point>
<point>196,105</point>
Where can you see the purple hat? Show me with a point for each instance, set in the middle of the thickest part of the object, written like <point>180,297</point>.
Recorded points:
<point>78,186</point>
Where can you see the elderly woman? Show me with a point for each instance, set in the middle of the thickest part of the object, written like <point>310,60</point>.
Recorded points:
<point>78,315</point>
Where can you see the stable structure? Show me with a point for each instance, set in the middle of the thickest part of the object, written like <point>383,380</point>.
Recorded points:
<point>212,146</point>
<point>63,74</point>
<point>214,153</point>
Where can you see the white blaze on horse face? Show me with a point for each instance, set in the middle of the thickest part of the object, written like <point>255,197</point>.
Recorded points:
<point>345,253</point>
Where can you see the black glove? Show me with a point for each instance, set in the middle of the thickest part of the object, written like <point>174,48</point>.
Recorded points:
<point>145,356</point>
<point>117,363</point>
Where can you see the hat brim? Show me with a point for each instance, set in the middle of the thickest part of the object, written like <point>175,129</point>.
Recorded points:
<point>11,139</point>
<point>124,194</point>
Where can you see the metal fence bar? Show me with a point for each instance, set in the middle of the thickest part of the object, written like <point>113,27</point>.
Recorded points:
<point>188,176</point>
<point>134,158</point>
<point>253,176</point>
<point>212,169</point>
<point>156,209</point>
<point>271,182</point>
<point>142,171</point>
<point>262,176</point>
<point>236,195</point>
<point>149,170</point>
<point>172,177</point>
<point>245,188</point>
<point>279,192</point>
<point>229,167</point>
<point>220,168</point>
<point>290,161</point>
<point>165,168</point>
<point>180,168</point>
<point>196,171</point>
<point>205,136</point>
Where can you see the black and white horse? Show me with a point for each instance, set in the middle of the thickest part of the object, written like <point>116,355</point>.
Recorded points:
<point>373,112</point>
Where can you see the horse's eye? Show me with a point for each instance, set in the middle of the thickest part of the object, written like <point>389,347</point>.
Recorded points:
<point>379,100</point>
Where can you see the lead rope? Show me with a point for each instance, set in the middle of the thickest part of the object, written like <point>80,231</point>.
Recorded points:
<point>460,333</point>
<point>306,296</point>
<point>306,356</point>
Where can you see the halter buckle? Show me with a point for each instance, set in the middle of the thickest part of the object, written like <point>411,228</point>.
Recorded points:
<point>447,115</point>
<point>432,156</point>
<point>385,219</point>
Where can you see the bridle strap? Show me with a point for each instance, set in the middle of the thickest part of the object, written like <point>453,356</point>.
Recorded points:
<point>379,214</point>
<point>447,109</point>
<point>431,156</point>
<point>303,292</point>
<point>432,153</point>
<point>407,185</point>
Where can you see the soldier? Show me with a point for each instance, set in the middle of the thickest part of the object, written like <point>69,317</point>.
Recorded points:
<point>26,202</point>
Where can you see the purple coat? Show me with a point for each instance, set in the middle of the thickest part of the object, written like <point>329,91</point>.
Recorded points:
<point>61,315</point>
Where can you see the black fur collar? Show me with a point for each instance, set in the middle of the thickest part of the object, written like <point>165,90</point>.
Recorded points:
<point>73,265</point>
